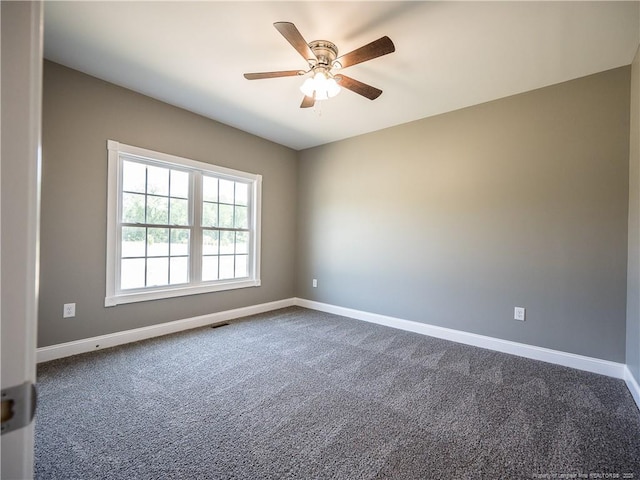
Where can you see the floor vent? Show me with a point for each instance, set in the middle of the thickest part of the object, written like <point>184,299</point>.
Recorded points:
<point>218,325</point>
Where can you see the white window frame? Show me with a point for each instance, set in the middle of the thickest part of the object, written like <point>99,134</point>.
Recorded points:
<point>117,152</point>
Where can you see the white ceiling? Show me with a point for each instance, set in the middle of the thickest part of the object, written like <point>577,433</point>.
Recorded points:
<point>449,55</point>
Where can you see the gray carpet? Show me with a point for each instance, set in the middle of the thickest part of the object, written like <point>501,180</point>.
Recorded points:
<point>302,394</point>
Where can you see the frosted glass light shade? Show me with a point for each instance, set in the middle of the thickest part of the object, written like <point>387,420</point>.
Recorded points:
<point>308,87</point>
<point>323,87</point>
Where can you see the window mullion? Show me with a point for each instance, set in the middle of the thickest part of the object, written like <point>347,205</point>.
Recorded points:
<point>195,257</point>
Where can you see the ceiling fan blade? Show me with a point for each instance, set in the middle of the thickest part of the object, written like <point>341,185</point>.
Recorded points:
<point>358,87</point>
<point>375,49</point>
<point>283,73</point>
<point>308,102</point>
<point>289,31</point>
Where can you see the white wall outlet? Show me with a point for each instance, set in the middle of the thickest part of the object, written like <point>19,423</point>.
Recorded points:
<point>314,283</point>
<point>69,310</point>
<point>518,313</point>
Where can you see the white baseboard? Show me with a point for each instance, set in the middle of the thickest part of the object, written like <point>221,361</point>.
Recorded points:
<point>632,384</point>
<point>580,362</point>
<point>45,354</point>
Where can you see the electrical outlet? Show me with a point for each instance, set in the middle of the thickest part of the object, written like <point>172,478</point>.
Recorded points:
<point>314,283</point>
<point>519,313</point>
<point>69,310</point>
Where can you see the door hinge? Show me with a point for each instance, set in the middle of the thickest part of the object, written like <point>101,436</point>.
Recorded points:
<point>18,406</point>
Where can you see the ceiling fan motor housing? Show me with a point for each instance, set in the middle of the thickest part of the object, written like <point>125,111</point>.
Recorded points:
<point>325,52</point>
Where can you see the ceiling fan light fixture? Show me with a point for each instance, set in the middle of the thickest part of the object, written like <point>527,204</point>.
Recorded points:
<point>322,84</point>
<point>323,61</point>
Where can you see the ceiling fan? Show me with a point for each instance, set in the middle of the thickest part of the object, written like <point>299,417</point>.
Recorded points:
<point>323,60</point>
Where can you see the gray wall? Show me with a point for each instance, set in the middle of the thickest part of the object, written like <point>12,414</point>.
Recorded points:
<point>454,220</point>
<point>451,220</point>
<point>633,275</point>
<point>79,114</point>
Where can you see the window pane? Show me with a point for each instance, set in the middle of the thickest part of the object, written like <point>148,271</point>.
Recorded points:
<point>242,242</point>
<point>158,210</point>
<point>132,208</point>
<point>242,194</point>
<point>179,270</point>
<point>210,189</point>
<point>162,204</point>
<point>157,180</point>
<point>157,271</point>
<point>157,242</point>
<point>241,220</point>
<point>209,242</point>
<point>179,184</point>
<point>209,214</point>
<point>226,216</point>
<point>133,241</point>
<point>132,273</point>
<point>241,266</point>
<point>134,177</point>
<point>179,241</point>
<point>226,191</point>
<point>226,267</point>
<point>209,268</point>
<point>179,212</point>
<point>227,242</point>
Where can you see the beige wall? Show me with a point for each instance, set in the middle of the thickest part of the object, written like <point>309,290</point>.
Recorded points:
<point>79,114</point>
<point>453,220</point>
<point>633,272</point>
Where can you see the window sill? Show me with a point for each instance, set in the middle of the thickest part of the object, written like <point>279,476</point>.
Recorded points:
<point>160,294</point>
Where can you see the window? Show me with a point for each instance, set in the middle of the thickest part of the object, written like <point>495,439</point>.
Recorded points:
<point>178,227</point>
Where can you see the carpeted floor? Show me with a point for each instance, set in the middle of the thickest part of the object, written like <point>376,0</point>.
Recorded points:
<point>302,394</point>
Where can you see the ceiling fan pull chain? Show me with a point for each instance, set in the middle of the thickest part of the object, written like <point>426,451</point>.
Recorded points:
<point>317,108</point>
